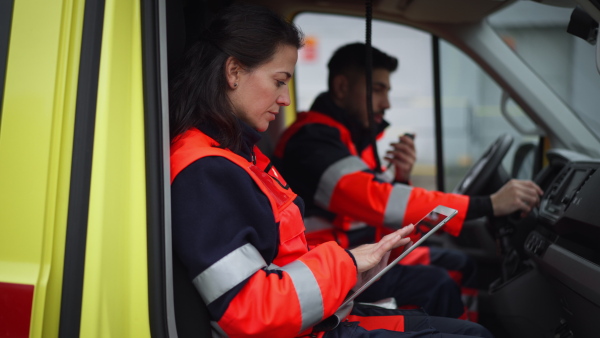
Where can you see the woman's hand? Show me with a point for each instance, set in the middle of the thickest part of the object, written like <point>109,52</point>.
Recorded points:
<point>369,256</point>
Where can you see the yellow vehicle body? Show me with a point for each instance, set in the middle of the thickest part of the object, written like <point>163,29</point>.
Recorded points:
<point>36,146</point>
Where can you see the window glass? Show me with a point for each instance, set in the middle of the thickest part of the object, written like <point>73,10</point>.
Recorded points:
<point>471,116</point>
<point>411,97</point>
<point>538,34</point>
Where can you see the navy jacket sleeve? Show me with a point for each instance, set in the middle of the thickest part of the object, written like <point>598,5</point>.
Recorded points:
<point>217,208</point>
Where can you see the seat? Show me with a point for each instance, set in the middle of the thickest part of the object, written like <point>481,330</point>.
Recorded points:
<point>191,314</point>
<point>185,20</point>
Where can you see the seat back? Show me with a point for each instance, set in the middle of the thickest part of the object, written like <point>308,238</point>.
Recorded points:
<point>191,314</point>
<point>185,21</point>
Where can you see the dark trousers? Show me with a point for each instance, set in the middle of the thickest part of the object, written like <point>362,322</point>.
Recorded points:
<point>421,286</point>
<point>440,281</point>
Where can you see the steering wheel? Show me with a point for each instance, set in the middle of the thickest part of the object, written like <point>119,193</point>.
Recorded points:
<point>486,165</point>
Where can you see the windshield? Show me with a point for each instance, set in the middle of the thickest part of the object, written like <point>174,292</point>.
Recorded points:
<point>538,34</point>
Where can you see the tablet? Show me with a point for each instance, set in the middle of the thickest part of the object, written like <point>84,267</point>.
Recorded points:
<point>434,220</point>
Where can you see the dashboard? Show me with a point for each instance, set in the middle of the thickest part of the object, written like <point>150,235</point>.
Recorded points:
<point>565,244</point>
<point>569,206</point>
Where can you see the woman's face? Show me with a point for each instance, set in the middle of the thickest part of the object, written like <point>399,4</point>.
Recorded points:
<point>257,95</point>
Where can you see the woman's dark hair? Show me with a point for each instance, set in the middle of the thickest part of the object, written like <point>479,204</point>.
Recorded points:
<point>198,94</point>
<point>352,57</point>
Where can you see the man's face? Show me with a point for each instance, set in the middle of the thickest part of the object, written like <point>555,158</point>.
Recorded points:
<point>354,100</point>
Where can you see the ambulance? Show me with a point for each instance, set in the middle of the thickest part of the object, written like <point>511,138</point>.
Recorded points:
<point>503,89</point>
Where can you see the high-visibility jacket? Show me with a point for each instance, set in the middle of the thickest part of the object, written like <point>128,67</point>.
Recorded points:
<point>282,297</point>
<point>350,189</point>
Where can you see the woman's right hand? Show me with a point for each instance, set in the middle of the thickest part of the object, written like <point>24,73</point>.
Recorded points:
<point>368,256</point>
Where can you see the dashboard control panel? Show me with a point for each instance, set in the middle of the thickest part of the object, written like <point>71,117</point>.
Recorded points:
<point>570,205</point>
<point>536,244</point>
<point>565,190</point>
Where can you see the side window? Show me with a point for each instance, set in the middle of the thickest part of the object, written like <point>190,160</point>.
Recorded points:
<point>5,20</point>
<point>472,118</point>
<point>411,97</point>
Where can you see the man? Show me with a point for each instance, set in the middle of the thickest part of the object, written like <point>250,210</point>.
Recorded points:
<point>327,159</point>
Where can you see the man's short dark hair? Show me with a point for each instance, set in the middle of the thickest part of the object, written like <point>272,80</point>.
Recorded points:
<point>352,57</point>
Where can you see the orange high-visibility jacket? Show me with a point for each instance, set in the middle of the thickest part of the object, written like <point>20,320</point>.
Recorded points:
<point>288,302</point>
<point>351,190</point>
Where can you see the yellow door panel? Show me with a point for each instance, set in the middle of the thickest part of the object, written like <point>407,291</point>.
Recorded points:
<point>36,139</point>
<point>115,293</point>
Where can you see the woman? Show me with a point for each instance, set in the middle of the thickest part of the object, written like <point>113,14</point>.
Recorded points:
<point>236,224</point>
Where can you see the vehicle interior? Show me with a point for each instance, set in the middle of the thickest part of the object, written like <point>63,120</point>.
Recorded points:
<point>539,275</point>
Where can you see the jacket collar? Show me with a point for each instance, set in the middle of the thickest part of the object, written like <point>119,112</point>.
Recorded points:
<point>360,135</point>
<point>250,138</point>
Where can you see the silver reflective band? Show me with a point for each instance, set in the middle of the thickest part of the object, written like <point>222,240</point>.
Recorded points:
<point>355,225</point>
<point>396,206</point>
<point>228,272</point>
<point>309,293</point>
<point>332,176</point>
<point>386,176</point>
<point>217,331</point>
<point>316,223</point>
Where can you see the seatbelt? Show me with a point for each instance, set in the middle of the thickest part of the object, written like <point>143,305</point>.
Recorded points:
<point>369,79</point>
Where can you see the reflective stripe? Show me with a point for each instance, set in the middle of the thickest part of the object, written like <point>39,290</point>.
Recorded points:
<point>355,225</point>
<point>386,176</point>
<point>471,302</point>
<point>396,206</point>
<point>332,176</point>
<point>315,223</point>
<point>309,293</point>
<point>217,331</point>
<point>228,272</point>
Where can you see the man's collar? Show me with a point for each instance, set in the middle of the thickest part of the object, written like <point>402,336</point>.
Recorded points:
<point>360,135</point>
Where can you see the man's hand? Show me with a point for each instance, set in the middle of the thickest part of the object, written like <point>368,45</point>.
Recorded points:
<point>516,195</point>
<point>403,157</point>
